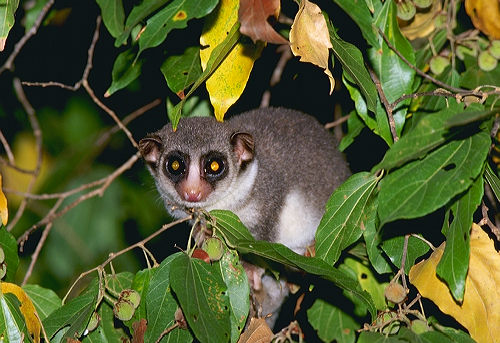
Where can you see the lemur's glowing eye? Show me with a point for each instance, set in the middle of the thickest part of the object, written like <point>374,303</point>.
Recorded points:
<point>214,166</point>
<point>175,165</point>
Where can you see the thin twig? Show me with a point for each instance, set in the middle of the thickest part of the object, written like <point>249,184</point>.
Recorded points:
<point>38,139</point>
<point>286,55</point>
<point>388,107</point>
<point>418,71</point>
<point>336,122</point>
<point>139,244</point>
<point>493,228</point>
<point>7,148</point>
<point>99,191</point>
<point>13,166</point>
<point>32,31</point>
<point>40,244</point>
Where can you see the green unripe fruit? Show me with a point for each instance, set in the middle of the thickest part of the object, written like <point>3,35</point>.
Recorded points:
<point>419,326</point>
<point>406,9</point>
<point>463,50</point>
<point>486,61</point>
<point>94,322</point>
<point>438,64</point>
<point>423,3</point>
<point>214,248</point>
<point>494,49</point>
<point>2,255</point>
<point>123,310</point>
<point>3,270</point>
<point>131,296</point>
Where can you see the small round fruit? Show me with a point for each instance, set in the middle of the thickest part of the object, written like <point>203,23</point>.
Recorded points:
<point>130,295</point>
<point>494,49</point>
<point>419,326</point>
<point>395,293</point>
<point>438,64</point>
<point>95,319</point>
<point>123,310</point>
<point>486,61</point>
<point>423,3</point>
<point>2,255</point>
<point>405,9</point>
<point>3,270</point>
<point>214,248</point>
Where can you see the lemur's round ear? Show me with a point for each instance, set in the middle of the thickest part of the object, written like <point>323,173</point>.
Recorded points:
<point>150,148</point>
<point>243,146</point>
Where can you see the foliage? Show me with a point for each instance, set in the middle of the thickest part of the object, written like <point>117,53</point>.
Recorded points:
<point>419,78</point>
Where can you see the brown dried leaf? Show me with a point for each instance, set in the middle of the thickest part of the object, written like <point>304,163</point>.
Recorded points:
<point>257,332</point>
<point>309,37</point>
<point>480,311</point>
<point>253,15</point>
<point>485,15</point>
<point>139,331</point>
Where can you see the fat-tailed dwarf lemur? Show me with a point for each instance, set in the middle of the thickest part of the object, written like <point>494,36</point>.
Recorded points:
<point>273,167</point>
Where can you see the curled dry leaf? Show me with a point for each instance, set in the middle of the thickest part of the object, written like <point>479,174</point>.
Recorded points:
<point>4,213</point>
<point>253,15</point>
<point>485,15</point>
<point>480,311</point>
<point>309,37</point>
<point>257,332</point>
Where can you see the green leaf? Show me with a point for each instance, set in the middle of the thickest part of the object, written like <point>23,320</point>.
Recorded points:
<point>238,290</point>
<point>106,331</point>
<point>354,127</point>
<point>161,306</point>
<point>395,76</point>
<point>493,181</point>
<point>360,13</point>
<point>375,337</point>
<point>235,234</point>
<point>9,246</point>
<point>437,103</point>
<point>341,224</point>
<point>367,280</point>
<point>113,15</point>
<point>125,70</point>
<point>331,323</point>
<point>313,265</point>
<point>420,187</point>
<point>203,297</point>
<point>32,14</point>
<point>180,72</point>
<point>7,10</point>
<point>231,227</point>
<point>352,62</point>
<point>454,263</point>
<point>428,133</point>
<point>75,314</point>
<point>173,16</point>
<point>216,58</point>
<point>372,238</point>
<point>12,324</point>
<point>45,300</point>
<point>467,117</point>
<point>393,247</point>
<point>136,16</point>
<point>141,284</point>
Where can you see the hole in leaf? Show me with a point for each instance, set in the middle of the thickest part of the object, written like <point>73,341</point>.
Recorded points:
<point>184,73</point>
<point>364,276</point>
<point>450,166</point>
<point>195,317</point>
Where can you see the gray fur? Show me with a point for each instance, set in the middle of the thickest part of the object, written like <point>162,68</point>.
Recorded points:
<point>293,153</point>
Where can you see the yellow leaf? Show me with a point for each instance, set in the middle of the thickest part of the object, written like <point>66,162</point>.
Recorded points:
<point>27,309</point>
<point>480,311</point>
<point>309,37</point>
<point>4,213</point>
<point>227,83</point>
<point>25,153</point>
<point>485,15</point>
